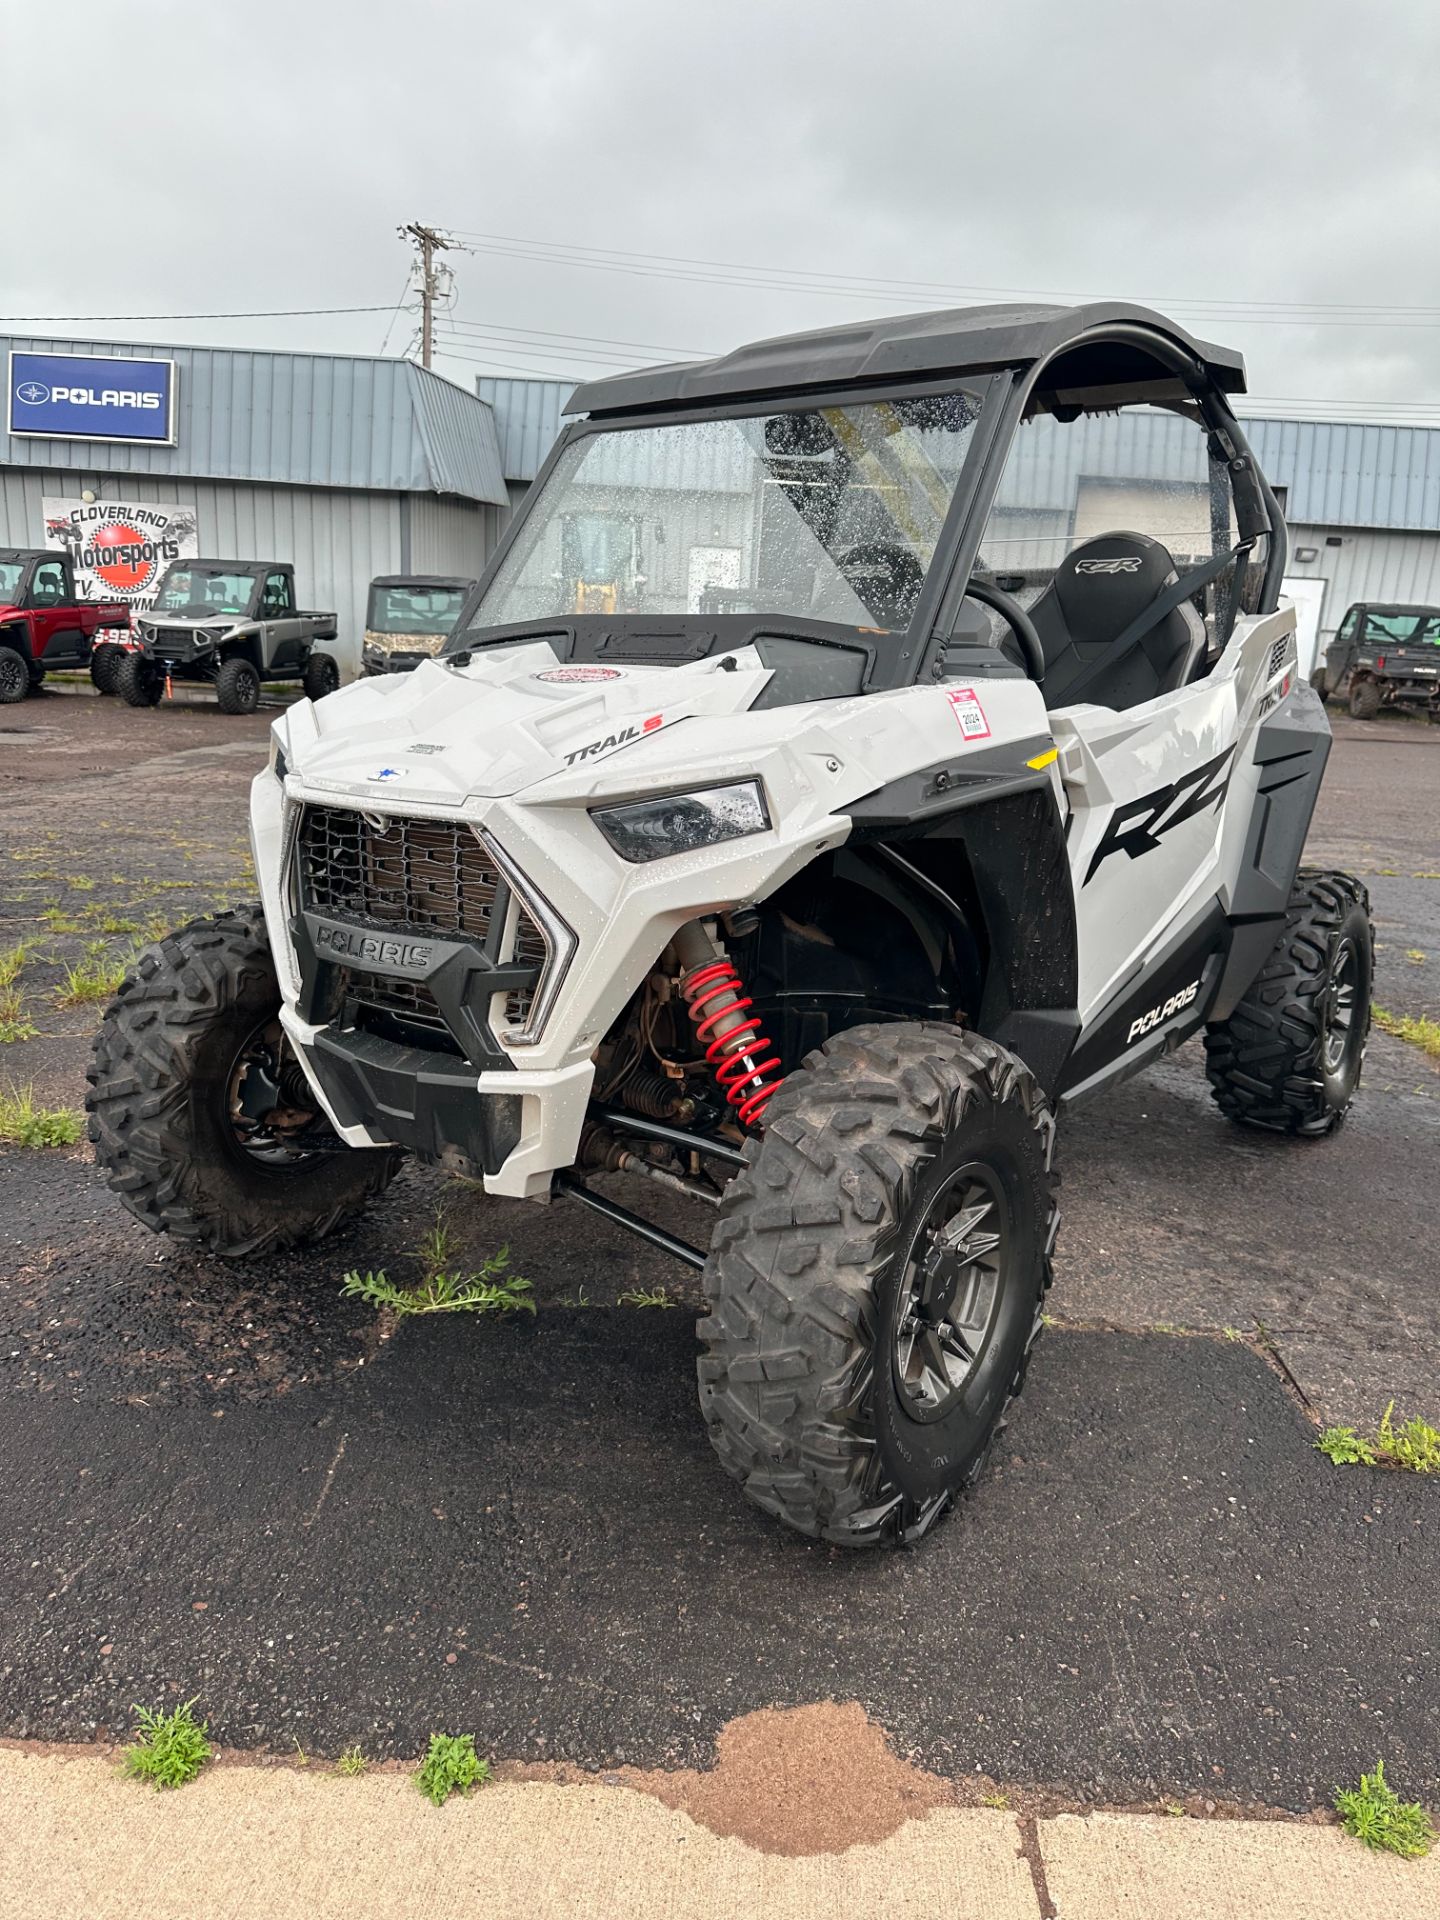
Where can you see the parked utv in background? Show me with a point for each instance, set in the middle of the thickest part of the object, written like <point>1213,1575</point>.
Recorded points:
<point>816,903</point>
<point>233,623</point>
<point>1384,656</point>
<point>43,625</point>
<point>408,618</point>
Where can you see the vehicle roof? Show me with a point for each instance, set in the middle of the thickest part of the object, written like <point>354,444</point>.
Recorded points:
<point>1390,606</point>
<point>32,553</point>
<point>958,340</point>
<point>237,566</point>
<point>423,580</point>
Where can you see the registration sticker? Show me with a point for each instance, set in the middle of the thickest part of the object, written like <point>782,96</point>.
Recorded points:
<point>968,712</point>
<point>579,676</point>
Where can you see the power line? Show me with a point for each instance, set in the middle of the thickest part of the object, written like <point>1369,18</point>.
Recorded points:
<point>435,281</point>
<point>805,280</point>
<point>395,314</point>
<point>263,313</point>
<point>597,339</point>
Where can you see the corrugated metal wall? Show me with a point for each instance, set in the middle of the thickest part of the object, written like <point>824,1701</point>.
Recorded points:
<point>451,536</point>
<point>1403,567</point>
<point>527,419</point>
<point>307,419</point>
<point>336,539</point>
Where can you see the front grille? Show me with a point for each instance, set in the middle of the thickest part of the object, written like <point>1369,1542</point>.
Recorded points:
<point>431,876</point>
<point>406,1004</point>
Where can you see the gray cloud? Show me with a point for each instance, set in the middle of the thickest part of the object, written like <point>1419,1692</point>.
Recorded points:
<point>1181,153</point>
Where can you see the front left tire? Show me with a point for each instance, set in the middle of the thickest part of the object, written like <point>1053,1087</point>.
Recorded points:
<point>875,1280</point>
<point>14,676</point>
<point>201,1119</point>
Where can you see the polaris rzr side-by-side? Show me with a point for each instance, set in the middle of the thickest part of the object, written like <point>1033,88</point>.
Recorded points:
<point>936,759</point>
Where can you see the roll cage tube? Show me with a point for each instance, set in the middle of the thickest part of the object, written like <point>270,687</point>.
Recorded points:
<point>1257,511</point>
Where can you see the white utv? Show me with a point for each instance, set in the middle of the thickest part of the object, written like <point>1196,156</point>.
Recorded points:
<point>936,759</point>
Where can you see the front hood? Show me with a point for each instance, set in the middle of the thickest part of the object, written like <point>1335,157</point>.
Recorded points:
<point>8,610</point>
<point>217,622</point>
<point>504,722</point>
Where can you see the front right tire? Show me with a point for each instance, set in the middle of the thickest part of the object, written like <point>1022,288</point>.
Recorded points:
<point>875,1280</point>
<point>197,1111</point>
<point>14,676</point>
<point>138,681</point>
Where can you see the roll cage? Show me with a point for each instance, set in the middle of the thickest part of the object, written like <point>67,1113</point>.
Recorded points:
<point>1091,360</point>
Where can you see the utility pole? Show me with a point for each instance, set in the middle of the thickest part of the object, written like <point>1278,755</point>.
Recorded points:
<point>427,244</point>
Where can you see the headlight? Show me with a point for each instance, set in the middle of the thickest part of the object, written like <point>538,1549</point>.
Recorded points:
<point>683,822</point>
<point>279,765</point>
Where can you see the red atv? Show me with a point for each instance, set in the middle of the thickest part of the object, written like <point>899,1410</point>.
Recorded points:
<point>43,625</point>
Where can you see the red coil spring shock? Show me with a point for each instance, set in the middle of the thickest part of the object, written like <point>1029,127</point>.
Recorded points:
<point>735,1046</point>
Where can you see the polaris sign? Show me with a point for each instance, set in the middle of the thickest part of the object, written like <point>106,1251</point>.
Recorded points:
<point>73,396</point>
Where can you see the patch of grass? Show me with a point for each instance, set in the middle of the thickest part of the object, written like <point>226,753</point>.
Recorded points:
<point>15,1023</point>
<point>169,1748</point>
<point>59,921</point>
<point>1174,1809</point>
<point>1413,1445</point>
<point>1344,1447</point>
<point>1419,1031</point>
<point>645,1297</point>
<point>443,1287</point>
<point>1374,1813</point>
<point>23,1124</point>
<point>1415,956</point>
<point>998,1800</point>
<point>1233,1333</point>
<point>351,1763</point>
<point>97,977</point>
<point>12,959</point>
<point>80,882</point>
<point>451,1766</point>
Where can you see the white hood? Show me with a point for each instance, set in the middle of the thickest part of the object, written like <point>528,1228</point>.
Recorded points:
<point>503,722</point>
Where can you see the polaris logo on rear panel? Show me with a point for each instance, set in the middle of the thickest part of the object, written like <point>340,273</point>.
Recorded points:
<point>1147,1022</point>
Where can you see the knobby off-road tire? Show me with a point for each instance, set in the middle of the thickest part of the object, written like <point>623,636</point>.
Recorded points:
<point>137,681</point>
<point>1364,699</point>
<point>237,687</point>
<point>1289,1056</point>
<point>14,676</point>
<point>159,1109</point>
<point>104,663</point>
<point>812,1274</point>
<point>321,676</point>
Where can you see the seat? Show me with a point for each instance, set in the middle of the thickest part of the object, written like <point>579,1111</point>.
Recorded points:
<point>1093,596</point>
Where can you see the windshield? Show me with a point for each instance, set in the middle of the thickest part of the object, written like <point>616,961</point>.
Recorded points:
<point>414,609</point>
<point>1407,628</point>
<point>12,572</point>
<point>830,514</point>
<point>203,591</point>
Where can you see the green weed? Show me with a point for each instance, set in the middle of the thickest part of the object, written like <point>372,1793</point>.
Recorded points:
<point>1344,1447</point>
<point>1419,1031</point>
<point>998,1800</point>
<point>351,1763</point>
<point>169,1748</point>
<point>97,977</point>
<point>1413,1446</point>
<point>23,1124</point>
<point>645,1297</point>
<point>1375,1813</point>
<point>443,1287</point>
<point>15,1024</point>
<point>12,959</point>
<point>451,1766</point>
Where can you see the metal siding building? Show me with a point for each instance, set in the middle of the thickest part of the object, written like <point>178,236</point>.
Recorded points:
<point>345,467</point>
<point>1365,498</point>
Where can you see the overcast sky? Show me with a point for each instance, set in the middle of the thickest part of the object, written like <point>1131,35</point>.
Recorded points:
<point>1210,158</point>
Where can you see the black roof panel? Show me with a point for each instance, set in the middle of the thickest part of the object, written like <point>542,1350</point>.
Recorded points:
<point>962,339</point>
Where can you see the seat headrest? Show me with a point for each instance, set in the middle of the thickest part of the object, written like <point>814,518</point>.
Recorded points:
<point>1103,584</point>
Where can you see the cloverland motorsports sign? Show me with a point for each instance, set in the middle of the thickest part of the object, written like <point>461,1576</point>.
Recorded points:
<point>120,548</point>
<point>75,396</point>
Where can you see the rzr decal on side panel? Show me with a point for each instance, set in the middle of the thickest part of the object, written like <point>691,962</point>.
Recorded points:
<point>1136,827</point>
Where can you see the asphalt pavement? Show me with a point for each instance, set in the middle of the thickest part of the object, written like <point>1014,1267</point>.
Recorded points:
<point>229,1482</point>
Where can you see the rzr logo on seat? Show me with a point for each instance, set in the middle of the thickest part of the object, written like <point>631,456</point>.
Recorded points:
<point>1126,563</point>
<point>1136,827</point>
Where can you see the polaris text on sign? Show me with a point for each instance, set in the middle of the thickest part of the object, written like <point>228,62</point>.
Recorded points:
<point>72,396</point>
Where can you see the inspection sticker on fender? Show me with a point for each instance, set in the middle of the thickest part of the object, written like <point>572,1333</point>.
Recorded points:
<point>968,712</point>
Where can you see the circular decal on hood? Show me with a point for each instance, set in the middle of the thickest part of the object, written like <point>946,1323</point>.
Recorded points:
<point>580,673</point>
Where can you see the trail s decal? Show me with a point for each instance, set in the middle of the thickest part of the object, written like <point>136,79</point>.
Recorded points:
<point>1136,827</point>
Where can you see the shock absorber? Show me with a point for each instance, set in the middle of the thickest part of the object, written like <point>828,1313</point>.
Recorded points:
<point>742,1059</point>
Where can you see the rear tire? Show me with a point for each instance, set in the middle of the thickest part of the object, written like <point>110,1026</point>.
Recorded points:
<point>237,687</point>
<point>1364,699</point>
<point>1289,1057</point>
<point>138,681</point>
<point>14,676</point>
<point>164,1086</point>
<point>104,663</point>
<point>823,1342</point>
<point>321,676</point>
<point>1320,682</point>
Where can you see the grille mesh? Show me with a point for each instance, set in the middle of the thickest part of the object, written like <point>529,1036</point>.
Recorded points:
<point>1278,655</point>
<point>419,875</point>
